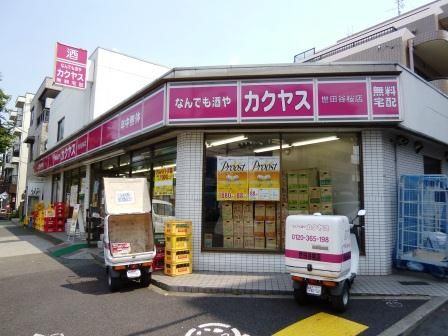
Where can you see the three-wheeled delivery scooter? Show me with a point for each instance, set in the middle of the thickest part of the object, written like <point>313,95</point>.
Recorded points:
<point>322,256</point>
<point>128,232</point>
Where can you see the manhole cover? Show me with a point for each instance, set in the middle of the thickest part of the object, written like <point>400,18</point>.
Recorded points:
<point>413,283</point>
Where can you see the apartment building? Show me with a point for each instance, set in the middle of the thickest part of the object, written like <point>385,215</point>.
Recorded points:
<point>16,157</point>
<point>417,39</point>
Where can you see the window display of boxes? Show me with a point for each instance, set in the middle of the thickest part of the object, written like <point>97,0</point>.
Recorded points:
<point>292,180</point>
<point>303,200</point>
<point>238,227</point>
<point>238,242</point>
<point>248,229</point>
<point>237,210</point>
<point>293,199</point>
<point>269,228</point>
<point>259,228</point>
<point>228,241</point>
<point>226,211</point>
<point>248,211</point>
<point>315,207</point>
<point>259,242</point>
<point>303,179</point>
<point>326,194</point>
<point>260,211</point>
<point>326,208</point>
<point>269,211</point>
<point>249,242</point>
<point>314,195</point>
<point>227,228</point>
<point>324,178</point>
<point>271,243</point>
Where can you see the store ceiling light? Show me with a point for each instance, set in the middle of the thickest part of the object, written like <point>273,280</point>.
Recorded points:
<point>314,141</point>
<point>270,148</point>
<point>225,141</point>
<point>166,166</point>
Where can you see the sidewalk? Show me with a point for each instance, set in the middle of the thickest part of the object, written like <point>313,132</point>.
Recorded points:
<point>400,283</point>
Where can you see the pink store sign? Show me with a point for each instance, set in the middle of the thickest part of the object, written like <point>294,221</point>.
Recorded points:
<point>342,99</point>
<point>131,120</point>
<point>206,102</point>
<point>277,101</point>
<point>70,66</point>
<point>153,109</point>
<point>384,99</point>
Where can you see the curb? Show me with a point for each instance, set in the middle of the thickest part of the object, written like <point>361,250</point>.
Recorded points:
<point>406,325</point>
<point>216,290</point>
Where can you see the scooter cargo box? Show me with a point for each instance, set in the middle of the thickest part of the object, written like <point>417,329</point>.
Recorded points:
<point>318,245</point>
<point>128,224</point>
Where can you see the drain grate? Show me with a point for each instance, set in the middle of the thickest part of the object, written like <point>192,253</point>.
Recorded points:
<point>413,283</point>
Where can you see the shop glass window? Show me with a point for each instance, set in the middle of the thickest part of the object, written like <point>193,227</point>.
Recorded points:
<point>328,165</point>
<point>56,185</point>
<point>125,161</point>
<point>317,172</point>
<point>241,207</point>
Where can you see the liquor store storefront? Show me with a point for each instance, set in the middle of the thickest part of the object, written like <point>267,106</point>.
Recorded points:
<point>237,150</point>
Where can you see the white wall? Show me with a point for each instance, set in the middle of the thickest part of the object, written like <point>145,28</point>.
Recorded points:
<point>117,77</point>
<point>425,109</point>
<point>112,77</point>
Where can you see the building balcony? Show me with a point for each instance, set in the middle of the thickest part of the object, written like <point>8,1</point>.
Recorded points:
<point>441,84</point>
<point>432,49</point>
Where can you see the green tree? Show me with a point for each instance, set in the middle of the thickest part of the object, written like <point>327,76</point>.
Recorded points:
<point>6,128</point>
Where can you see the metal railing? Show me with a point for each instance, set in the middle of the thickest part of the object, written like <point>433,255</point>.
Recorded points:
<point>345,47</point>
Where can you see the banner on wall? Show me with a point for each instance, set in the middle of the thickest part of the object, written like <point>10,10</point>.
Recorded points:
<point>232,178</point>
<point>264,178</point>
<point>163,182</point>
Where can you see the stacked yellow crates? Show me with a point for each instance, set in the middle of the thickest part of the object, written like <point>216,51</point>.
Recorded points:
<point>178,258</point>
<point>39,216</point>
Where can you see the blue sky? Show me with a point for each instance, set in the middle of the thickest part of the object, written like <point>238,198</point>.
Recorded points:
<point>176,33</point>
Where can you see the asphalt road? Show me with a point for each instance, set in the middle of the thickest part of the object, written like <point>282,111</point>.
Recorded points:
<point>43,295</point>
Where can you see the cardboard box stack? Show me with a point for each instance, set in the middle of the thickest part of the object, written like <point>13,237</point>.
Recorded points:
<point>178,250</point>
<point>227,223</point>
<point>248,225</point>
<point>326,192</point>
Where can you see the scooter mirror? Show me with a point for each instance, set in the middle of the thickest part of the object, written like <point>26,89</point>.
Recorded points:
<point>361,213</point>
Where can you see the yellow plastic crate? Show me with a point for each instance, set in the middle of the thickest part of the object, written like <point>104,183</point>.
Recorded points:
<point>177,242</point>
<point>177,228</point>
<point>178,269</point>
<point>177,256</point>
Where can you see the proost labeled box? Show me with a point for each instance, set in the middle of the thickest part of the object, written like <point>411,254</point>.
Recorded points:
<point>293,180</point>
<point>269,228</point>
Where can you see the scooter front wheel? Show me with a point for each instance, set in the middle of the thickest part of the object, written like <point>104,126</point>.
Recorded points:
<point>340,302</point>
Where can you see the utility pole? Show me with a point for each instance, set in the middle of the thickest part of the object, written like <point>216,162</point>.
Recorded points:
<point>400,6</point>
